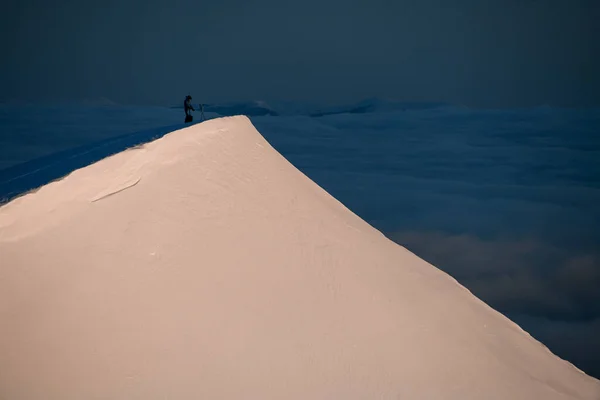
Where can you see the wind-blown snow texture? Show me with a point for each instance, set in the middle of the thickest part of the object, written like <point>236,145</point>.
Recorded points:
<point>506,201</point>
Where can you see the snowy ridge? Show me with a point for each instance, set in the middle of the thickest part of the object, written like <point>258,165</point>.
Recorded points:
<point>203,264</point>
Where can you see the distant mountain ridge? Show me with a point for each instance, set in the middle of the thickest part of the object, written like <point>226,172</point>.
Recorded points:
<point>258,108</point>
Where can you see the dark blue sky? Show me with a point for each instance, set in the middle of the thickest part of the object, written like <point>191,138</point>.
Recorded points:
<point>473,52</point>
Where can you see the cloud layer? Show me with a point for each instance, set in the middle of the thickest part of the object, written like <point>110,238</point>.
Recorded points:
<point>507,202</point>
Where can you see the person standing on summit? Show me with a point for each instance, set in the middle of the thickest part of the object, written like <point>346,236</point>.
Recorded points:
<point>187,106</point>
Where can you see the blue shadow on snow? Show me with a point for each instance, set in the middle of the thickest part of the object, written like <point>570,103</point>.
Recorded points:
<point>22,178</point>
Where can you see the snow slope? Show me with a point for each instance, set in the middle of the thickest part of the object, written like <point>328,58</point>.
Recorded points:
<point>204,265</point>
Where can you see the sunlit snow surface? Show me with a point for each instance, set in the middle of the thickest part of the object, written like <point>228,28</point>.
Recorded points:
<point>506,201</point>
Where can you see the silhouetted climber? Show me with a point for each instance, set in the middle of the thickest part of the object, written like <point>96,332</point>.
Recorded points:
<point>187,106</point>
